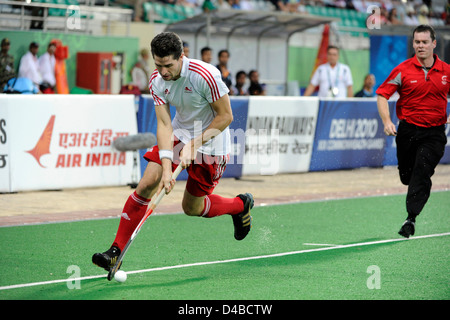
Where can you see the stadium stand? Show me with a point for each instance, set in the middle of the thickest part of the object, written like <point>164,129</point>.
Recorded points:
<point>353,14</point>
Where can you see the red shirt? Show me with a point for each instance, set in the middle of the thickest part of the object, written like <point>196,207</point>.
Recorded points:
<point>423,96</point>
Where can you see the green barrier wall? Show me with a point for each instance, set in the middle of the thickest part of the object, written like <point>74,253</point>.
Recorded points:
<point>301,63</point>
<point>20,40</point>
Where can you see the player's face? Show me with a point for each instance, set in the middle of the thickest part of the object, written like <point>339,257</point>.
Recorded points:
<point>168,67</point>
<point>423,45</point>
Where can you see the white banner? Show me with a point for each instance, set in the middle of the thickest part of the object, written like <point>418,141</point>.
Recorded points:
<point>280,134</point>
<point>4,149</point>
<point>64,141</point>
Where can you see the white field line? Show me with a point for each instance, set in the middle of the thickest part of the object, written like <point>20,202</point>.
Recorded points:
<point>322,244</point>
<point>275,255</point>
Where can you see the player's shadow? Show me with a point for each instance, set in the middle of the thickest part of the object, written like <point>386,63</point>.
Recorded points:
<point>102,289</point>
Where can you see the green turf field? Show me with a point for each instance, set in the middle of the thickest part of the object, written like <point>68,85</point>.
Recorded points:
<point>339,249</point>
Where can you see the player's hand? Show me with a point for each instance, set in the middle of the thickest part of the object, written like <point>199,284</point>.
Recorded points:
<point>166,183</point>
<point>389,129</point>
<point>187,155</point>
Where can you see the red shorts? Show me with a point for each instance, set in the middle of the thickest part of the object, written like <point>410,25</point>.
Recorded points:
<point>204,173</point>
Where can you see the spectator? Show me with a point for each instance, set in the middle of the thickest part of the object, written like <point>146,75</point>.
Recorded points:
<point>47,68</point>
<point>393,17</point>
<point>288,5</point>
<point>186,48</point>
<point>137,5</point>
<point>140,73</point>
<point>447,13</point>
<point>333,78</point>
<point>223,57</point>
<point>278,4</point>
<point>206,54</point>
<point>6,64</point>
<point>29,66</point>
<point>367,89</point>
<point>423,14</point>
<point>190,3</point>
<point>256,88</point>
<point>240,4</point>
<point>238,89</point>
<point>384,16</point>
<point>410,18</point>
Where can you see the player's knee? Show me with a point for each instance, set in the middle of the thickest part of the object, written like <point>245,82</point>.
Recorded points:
<point>191,210</point>
<point>146,187</point>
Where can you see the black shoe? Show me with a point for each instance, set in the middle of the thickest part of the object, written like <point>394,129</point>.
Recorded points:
<point>407,228</point>
<point>243,221</point>
<point>107,259</point>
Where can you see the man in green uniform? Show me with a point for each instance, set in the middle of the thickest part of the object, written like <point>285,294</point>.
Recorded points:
<point>6,64</point>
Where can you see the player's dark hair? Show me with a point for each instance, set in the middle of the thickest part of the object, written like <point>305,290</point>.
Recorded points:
<point>426,28</point>
<point>167,44</point>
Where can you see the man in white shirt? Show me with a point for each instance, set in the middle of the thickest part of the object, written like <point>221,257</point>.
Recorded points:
<point>29,66</point>
<point>333,78</point>
<point>198,138</point>
<point>410,19</point>
<point>141,72</point>
<point>47,66</point>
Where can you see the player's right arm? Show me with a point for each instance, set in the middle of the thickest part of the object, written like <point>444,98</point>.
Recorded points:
<point>384,92</point>
<point>383,110</point>
<point>164,137</point>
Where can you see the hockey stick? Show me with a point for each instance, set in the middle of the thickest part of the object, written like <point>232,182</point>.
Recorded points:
<point>149,211</point>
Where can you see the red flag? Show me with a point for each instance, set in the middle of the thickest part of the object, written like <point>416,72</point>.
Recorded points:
<point>322,53</point>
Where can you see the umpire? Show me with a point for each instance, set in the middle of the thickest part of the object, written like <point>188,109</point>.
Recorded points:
<point>423,83</point>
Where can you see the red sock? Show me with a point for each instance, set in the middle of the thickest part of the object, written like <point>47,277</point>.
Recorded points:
<point>132,213</point>
<point>216,206</point>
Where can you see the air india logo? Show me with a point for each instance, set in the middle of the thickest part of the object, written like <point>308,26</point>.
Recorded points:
<point>79,149</point>
<point>43,145</point>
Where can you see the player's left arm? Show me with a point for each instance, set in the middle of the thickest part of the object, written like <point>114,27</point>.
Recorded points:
<point>222,119</point>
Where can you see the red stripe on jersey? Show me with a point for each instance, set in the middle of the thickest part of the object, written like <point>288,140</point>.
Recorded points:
<point>155,97</point>
<point>154,74</point>
<point>158,99</point>
<point>208,77</point>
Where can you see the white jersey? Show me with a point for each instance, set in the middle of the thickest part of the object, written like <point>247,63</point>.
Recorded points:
<point>328,78</point>
<point>199,85</point>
